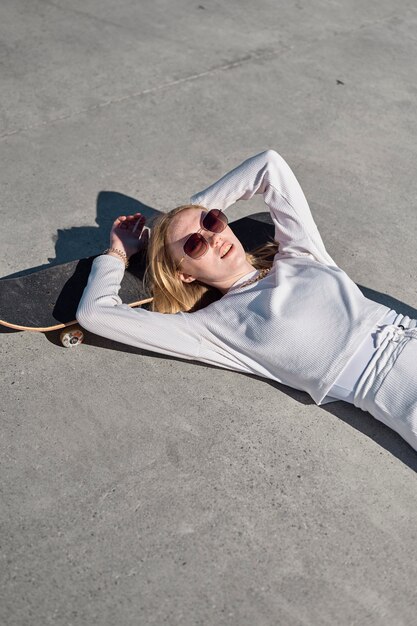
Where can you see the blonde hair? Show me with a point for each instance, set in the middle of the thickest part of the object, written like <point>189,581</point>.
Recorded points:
<point>170,293</point>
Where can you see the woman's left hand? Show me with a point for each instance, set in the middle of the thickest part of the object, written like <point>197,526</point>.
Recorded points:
<point>129,234</point>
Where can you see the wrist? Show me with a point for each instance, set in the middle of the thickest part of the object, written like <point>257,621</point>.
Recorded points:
<point>118,254</point>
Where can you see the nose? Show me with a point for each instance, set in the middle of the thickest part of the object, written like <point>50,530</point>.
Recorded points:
<point>215,240</point>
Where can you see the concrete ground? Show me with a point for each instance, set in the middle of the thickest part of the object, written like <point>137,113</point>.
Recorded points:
<point>140,490</point>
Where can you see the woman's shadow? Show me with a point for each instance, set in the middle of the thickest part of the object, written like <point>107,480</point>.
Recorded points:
<point>80,242</point>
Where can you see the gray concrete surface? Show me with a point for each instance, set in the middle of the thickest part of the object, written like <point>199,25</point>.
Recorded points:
<point>138,490</point>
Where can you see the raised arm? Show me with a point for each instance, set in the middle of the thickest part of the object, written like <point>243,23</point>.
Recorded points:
<point>267,173</point>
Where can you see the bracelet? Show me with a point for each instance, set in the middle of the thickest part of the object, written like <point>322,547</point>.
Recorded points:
<point>121,254</point>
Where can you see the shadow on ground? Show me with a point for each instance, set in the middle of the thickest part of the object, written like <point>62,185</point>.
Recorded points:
<point>84,241</point>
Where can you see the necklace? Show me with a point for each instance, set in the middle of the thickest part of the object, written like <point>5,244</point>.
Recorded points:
<point>261,275</point>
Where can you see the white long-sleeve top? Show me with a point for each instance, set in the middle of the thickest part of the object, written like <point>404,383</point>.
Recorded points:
<point>300,325</point>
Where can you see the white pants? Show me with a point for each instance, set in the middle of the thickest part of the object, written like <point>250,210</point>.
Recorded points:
<point>345,384</point>
<point>387,388</point>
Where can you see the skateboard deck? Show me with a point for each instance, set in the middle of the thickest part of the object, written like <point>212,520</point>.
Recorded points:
<point>48,299</point>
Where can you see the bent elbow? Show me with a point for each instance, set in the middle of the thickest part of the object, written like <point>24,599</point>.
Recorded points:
<point>85,318</point>
<point>271,155</point>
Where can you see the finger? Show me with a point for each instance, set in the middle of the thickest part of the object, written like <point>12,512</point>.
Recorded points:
<point>123,221</point>
<point>130,224</point>
<point>117,222</point>
<point>132,220</point>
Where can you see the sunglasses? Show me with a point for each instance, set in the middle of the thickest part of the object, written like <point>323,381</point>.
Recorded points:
<point>196,245</point>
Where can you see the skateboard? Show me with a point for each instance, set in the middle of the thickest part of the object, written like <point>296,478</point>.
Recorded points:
<point>47,300</point>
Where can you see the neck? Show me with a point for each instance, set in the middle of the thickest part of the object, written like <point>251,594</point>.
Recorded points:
<point>225,285</point>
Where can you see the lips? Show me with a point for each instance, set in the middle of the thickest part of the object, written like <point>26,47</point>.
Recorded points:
<point>225,249</point>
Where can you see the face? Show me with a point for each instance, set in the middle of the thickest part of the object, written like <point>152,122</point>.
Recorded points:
<point>222,264</point>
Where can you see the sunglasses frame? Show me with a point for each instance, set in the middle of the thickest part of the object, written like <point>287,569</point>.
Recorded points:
<point>198,232</point>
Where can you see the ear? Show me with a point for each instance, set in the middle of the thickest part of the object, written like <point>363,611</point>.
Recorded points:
<point>186,278</point>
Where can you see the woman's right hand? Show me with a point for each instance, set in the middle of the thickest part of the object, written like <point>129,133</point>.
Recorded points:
<point>129,234</point>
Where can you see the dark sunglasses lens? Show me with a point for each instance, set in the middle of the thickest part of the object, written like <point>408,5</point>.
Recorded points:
<point>195,246</point>
<point>215,221</point>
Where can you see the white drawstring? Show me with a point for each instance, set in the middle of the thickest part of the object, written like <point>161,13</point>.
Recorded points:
<point>394,333</point>
<point>391,332</point>
<point>384,336</point>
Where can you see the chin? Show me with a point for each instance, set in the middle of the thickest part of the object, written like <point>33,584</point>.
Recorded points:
<point>237,256</point>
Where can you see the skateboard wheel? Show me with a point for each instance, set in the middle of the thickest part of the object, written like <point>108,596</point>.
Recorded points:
<point>72,337</point>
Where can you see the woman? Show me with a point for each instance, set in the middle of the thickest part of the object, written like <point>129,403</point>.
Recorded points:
<point>300,320</point>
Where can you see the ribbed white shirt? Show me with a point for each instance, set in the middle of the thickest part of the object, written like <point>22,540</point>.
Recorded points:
<point>300,325</point>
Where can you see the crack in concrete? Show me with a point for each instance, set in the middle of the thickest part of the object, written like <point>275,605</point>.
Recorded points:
<point>221,68</point>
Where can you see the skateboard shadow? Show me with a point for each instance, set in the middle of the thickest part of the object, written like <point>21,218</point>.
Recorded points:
<point>80,242</point>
